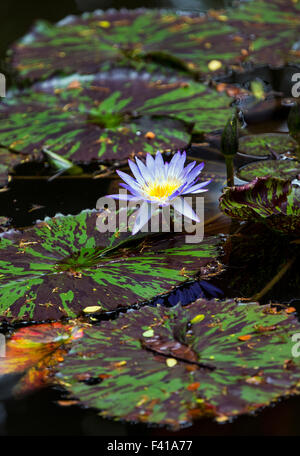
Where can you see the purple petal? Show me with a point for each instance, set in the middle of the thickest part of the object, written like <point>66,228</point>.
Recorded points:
<point>194,173</point>
<point>180,164</point>
<point>181,206</point>
<point>146,174</point>
<point>142,217</point>
<point>136,172</point>
<point>129,180</point>
<point>173,162</point>
<point>188,168</point>
<point>159,166</point>
<point>150,163</point>
<point>132,190</point>
<point>195,188</point>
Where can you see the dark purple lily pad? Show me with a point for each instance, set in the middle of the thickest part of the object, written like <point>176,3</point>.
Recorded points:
<point>109,116</point>
<point>284,169</point>
<point>64,266</point>
<point>263,145</point>
<point>273,201</point>
<point>171,366</point>
<point>99,40</point>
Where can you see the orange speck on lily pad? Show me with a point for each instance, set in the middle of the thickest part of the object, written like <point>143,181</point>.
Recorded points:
<point>290,310</point>
<point>193,386</point>
<point>245,337</point>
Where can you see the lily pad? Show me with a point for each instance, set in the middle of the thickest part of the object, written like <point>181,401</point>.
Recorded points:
<point>273,201</point>
<point>171,366</point>
<point>109,116</point>
<point>32,351</point>
<point>263,145</point>
<point>272,27</point>
<point>99,40</point>
<point>64,266</point>
<point>285,169</point>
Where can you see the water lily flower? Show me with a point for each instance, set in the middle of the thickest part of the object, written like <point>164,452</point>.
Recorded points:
<point>162,184</point>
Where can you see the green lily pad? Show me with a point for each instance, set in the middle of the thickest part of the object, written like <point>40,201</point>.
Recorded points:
<point>264,144</point>
<point>64,266</point>
<point>171,366</point>
<point>109,116</point>
<point>285,169</point>
<point>97,41</point>
<point>273,201</point>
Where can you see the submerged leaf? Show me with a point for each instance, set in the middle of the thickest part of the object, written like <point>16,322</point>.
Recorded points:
<point>32,351</point>
<point>273,201</point>
<point>61,164</point>
<point>63,265</point>
<point>153,366</point>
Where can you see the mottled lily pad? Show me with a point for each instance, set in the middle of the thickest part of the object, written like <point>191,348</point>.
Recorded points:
<point>171,366</point>
<point>32,351</point>
<point>64,266</point>
<point>265,144</point>
<point>273,201</point>
<point>272,28</point>
<point>99,40</point>
<point>285,169</point>
<point>109,116</point>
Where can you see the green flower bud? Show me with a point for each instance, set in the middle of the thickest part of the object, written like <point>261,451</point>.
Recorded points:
<point>230,140</point>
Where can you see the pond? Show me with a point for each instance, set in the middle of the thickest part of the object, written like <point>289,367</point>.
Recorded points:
<point>134,333</point>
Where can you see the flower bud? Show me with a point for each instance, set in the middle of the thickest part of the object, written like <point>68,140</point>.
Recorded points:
<point>230,140</point>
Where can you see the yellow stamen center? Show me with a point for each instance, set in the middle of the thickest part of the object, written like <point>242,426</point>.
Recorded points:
<point>162,190</point>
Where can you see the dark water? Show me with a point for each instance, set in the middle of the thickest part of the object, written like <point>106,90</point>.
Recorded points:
<point>38,414</point>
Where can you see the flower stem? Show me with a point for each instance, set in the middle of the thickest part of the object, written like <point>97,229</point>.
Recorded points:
<point>229,170</point>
